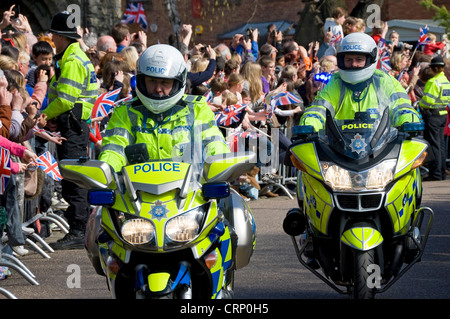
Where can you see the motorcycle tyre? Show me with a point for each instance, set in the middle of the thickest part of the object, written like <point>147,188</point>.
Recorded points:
<point>362,260</point>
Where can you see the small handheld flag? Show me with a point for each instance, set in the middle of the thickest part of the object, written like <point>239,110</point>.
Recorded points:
<point>424,39</point>
<point>49,165</point>
<point>104,103</point>
<point>135,13</point>
<point>231,114</point>
<point>5,169</point>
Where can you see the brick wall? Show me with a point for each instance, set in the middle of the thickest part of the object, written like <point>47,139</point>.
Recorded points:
<point>220,16</point>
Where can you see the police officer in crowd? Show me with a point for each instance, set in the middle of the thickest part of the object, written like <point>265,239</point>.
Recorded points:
<point>433,104</point>
<point>359,85</point>
<point>72,94</point>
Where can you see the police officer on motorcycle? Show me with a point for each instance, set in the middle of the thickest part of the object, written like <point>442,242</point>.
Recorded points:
<point>359,86</point>
<point>162,117</point>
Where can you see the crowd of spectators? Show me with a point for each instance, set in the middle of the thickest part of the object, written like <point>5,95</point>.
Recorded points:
<point>250,70</point>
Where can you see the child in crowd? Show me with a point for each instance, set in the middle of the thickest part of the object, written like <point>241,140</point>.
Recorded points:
<point>236,85</point>
<point>41,54</point>
<point>434,46</point>
<point>217,87</point>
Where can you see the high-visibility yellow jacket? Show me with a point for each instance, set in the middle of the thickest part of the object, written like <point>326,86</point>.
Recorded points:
<point>336,97</point>
<point>187,132</point>
<point>436,94</point>
<point>77,83</point>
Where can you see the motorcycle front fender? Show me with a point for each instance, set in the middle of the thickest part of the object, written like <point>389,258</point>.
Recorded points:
<point>158,281</point>
<point>362,238</point>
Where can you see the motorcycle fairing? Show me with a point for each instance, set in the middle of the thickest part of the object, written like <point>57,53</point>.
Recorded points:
<point>92,174</point>
<point>401,201</point>
<point>217,167</point>
<point>410,151</point>
<point>307,154</point>
<point>318,203</point>
<point>362,238</point>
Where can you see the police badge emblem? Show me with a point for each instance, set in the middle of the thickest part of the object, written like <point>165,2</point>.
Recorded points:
<point>159,211</point>
<point>358,144</point>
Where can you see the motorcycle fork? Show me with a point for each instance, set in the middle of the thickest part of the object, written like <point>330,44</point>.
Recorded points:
<point>300,251</point>
<point>420,244</point>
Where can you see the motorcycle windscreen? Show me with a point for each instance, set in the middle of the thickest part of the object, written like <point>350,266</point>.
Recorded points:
<point>360,136</point>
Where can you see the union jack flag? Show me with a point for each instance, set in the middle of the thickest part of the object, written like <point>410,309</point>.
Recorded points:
<point>49,165</point>
<point>209,96</point>
<point>135,13</point>
<point>285,98</point>
<point>424,39</point>
<point>237,137</point>
<point>37,129</point>
<point>336,38</point>
<point>384,62</point>
<point>270,109</point>
<point>104,103</point>
<point>247,134</point>
<point>5,169</point>
<point>231,114</point>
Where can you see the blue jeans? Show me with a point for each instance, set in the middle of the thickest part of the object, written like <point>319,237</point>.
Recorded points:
<point>14,222</point>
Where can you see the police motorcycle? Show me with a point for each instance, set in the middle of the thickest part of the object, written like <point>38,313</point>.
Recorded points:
<point>166,229</point>
<point>359,191</point>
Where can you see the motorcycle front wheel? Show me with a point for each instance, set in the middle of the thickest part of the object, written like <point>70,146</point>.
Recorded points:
<point>362,281</point>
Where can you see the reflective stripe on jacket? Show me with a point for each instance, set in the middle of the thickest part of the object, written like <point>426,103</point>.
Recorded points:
<point>436,94</point>
<point>188,130</point>
<point>338,99</point>
<point>77,83</point>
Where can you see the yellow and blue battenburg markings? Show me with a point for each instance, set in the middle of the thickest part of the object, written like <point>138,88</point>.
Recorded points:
<point>222,264</point>
<point>400,200</point>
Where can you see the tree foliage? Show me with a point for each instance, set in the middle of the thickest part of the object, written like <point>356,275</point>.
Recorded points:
<point>442,15</point>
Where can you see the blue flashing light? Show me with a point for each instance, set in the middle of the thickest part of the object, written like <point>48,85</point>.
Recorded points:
<point>322,77</point>
<point>219,229</point>
<point>216,190</point>
<point>413,127</point>
<point>302,130</point>
<point>101,197</point>
<point>133,82</point>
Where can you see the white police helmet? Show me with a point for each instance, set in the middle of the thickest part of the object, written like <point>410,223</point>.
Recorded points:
<point>161,61</point>
<point>357,43</point>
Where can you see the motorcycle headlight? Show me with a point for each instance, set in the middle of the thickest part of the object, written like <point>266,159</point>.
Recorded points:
<point>337,177</point>
<point>185,227</point>
<point>138,231</point>
<point>379,176</point>
<point>341,179</point>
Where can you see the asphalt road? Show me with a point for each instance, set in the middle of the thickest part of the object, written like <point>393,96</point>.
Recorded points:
<point>274,271</point>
